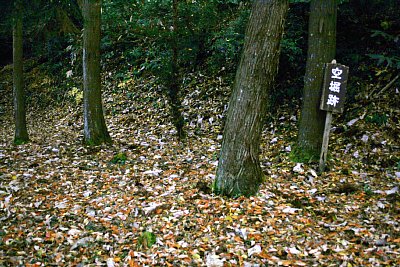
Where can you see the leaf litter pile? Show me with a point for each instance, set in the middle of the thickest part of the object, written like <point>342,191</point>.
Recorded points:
<point>147,200</point>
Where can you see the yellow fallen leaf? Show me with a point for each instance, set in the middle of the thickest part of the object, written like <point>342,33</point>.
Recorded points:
<point>196,256</point>
<point>228,218</point>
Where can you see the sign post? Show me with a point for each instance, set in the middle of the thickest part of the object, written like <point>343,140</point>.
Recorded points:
<point>332,100</point>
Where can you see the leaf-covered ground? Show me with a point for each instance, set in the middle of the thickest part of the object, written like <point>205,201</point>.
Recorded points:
<point>145,200</point>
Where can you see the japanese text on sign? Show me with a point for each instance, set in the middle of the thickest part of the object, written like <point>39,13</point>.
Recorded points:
<point>334,89</point>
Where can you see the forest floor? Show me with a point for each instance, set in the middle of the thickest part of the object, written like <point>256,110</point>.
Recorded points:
<point>146,200</point>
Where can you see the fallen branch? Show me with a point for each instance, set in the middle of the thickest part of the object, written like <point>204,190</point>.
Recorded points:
<point>386,87</point>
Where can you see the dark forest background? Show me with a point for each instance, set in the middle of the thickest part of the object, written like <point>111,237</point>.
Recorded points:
<point>137,40</point>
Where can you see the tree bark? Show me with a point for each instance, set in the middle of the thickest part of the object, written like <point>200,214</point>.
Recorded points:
<point>80,4</point>
<point>173,82</point>
<point>21,133</point>
<point>239,172</point>
<point>321,50</point>
<point>95,130</point>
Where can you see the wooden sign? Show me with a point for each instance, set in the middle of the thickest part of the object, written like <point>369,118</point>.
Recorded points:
<point>332,100</point>
<point>334,88</point>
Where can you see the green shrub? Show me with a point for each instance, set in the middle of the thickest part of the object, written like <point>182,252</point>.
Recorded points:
<point>119,158</point>
<point>391,56</point>
<point>377,118</point>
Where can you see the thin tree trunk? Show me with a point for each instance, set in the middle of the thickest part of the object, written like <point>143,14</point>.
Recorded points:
<point>321,50</point>
<point>80,4</point>
<point>173,83</point>
<point>239,171</point>
<point>21,133</point>
<point>95,130</point>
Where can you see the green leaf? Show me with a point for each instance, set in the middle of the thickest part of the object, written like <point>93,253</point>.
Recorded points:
<point>146,240</point>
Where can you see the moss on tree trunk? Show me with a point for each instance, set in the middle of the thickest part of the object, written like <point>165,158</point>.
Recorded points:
<point>321,50</point>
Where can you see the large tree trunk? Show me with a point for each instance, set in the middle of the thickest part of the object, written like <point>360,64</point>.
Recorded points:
<point>321,50</point>
<point>239,171</point>
<point>21,133</point>
<point>95,130</point>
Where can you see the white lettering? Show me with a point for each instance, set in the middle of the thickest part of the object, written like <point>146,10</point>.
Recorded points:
<point>333,100</point>
<point>336,72</point>
<point>335,86</point>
